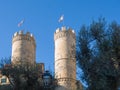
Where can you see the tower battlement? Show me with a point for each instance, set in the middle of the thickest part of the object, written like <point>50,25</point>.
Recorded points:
<point>23,36</point>
<point>22,33</point>
<point>63,32</point>
<point>63,29</point>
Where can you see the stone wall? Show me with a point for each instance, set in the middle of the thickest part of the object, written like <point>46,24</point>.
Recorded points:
<point>23,48</point>
<point>65,61</point>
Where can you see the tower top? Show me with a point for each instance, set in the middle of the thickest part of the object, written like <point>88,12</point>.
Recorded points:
<point>22,33</point>
<point>64,32</point>
<point>62,29</point>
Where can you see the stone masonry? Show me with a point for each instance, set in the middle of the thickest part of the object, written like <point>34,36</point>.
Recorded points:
<point>23,48</point>
<point>24,51</point>
<point>65,61</point>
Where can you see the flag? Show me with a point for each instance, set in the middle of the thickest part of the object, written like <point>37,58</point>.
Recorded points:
<point>61,18</point>
<point>20,23</point>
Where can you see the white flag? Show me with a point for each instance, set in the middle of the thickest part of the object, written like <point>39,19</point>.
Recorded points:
<point>20,24</point>
<point>61,18</point>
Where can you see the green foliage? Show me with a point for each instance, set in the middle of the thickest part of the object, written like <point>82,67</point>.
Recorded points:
<point>98,54</point>
<point>5,87</point>
<point>22,77</point>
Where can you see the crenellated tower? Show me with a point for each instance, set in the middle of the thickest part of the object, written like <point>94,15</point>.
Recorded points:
<point>23,48</point>
<point>65,61</point>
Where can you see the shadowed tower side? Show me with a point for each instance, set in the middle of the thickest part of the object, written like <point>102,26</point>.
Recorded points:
<point>23,49</point>
<point>65,61</point>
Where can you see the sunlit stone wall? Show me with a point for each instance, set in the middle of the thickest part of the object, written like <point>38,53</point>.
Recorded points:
<point>65,61</point>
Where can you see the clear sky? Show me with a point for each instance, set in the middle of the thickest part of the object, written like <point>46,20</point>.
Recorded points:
<point>41,19</point>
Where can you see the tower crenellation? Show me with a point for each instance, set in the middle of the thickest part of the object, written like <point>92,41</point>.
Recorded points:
<point>23,36</point>
<point>64,29</point>
<point>63,32</point>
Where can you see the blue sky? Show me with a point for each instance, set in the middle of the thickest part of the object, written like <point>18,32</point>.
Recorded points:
<point>41,19</point>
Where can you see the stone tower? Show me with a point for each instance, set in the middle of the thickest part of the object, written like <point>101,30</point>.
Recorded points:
<point>65,61</point>
<point>23,48</point>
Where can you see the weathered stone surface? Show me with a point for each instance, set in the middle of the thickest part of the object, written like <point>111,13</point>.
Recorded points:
<point>65,61</point>
<point>23,48</point>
